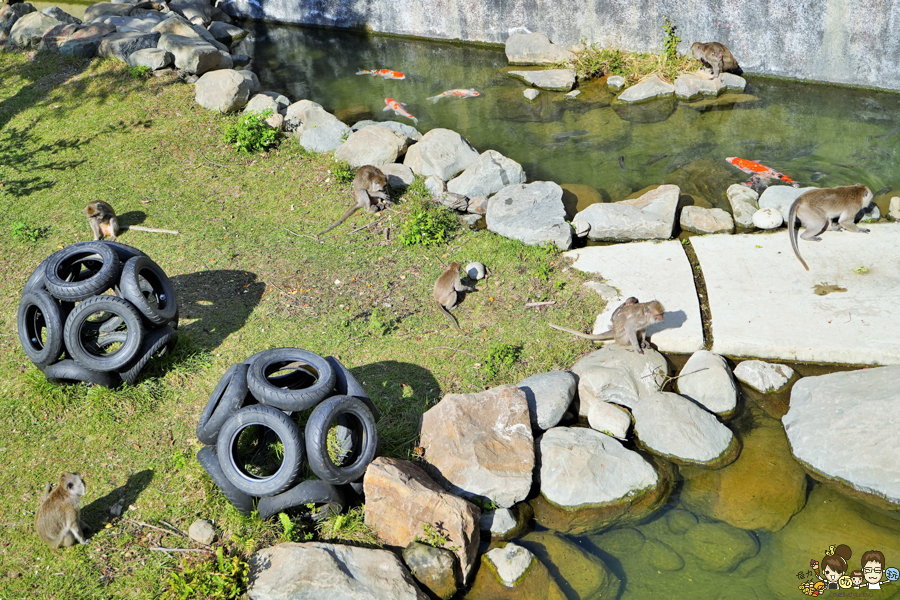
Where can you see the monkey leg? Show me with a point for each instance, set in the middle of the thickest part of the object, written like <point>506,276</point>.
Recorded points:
<point>632,337</point>
<point>847,222</point>
<point>814,220</point>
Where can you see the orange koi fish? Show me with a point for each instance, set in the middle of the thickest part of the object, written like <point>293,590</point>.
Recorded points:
<point>469,93</point>
<point>397,107</point>
<point>759,171</point>
<point>386,73</point>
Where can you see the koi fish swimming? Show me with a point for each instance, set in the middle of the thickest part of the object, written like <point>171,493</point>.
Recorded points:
<point>397,107</point>
<point>759,171</point>
<point>469,93</point>
<point>386,73</point>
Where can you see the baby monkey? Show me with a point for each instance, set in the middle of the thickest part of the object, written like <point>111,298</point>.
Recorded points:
<point>445,289</point>
<point>58,520</point>
<point>369,185</point>
<point>629,324</point>
<point>717,57</point>
<point>817,208</point>
<point>104,223</point>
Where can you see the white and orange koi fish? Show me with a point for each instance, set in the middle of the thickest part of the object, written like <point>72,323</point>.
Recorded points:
<point>386,73</point>
<point>469,93</point>
<point>397,107</point>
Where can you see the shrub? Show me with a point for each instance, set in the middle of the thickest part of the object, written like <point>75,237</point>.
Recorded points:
<point>342,172</point>
<point>252,133</point>
<point>426,223</point>
<point>501,358</point>
<point>141,72</point>
<point>27,233</point>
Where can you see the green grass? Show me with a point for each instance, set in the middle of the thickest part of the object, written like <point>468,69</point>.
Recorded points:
<point>249,275</point>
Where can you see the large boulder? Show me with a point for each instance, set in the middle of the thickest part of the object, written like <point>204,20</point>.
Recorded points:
<point>61,15</point>
<point>107,8</point>
<point>511,572</point>
<point>780,197</point>
<point>532,213</point>
<point>199,12</point>
<point>480,445</point>
<point>491,173</point>
<point>319,571</point>
<point>651,88</point>
<point>372,145</point>
<point>549,396</point>
<point>85,42</point>
<point>534,49</point>
<point>223,91</point>
<point>399,176</point>
<point>401,500</point>
<point>9,14</point>
<point>194,54</point>
<point>618,375</point>
<point>707,380</point>
<point>557,80</point>
<point>177,25</point>
<point>57,34</point>
<point>260,103</point>
<point>318,130</point>
<point>440,152</point>
<point>122,45</point>
<point>412,134</point>
<point>227,34</point>
<point>28,30</point>
<point>651,216</point>
<point>152,58</point>
<point>610,419</point>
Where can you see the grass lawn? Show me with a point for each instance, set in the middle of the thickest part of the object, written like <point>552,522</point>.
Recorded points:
<point>248,277</point>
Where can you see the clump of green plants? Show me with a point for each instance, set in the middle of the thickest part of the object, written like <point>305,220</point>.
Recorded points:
<point>28,233</point>
<point>140,72</point>
<point>501,358</point>
<point>220,578</point>
<point>251,133</point>
<point>670,44</point>
<point>348,528</point>
<point>436,535</point>
<point>342,172</point>
<point>426,223</point>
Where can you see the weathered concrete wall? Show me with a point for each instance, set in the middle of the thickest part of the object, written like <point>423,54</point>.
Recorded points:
<point>841,41</point>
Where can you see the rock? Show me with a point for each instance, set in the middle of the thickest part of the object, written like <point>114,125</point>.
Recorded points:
<point>530,94</point>
<point>412,134</point>
<point>223,91</point>
<point>581,228</point>
<point>549,396</point>
<point>478,205</point>
<point>475,272</point>
<point>618,375</point>
<point>60,15</point>
<point>401,499</point>
<point>532,213</point>
<point>488,175</point>
<point>122,45</point>
<point>433,568</point>
<point>690,86</point>
<point>281,101</point>
<point>894,209</point>
<point>615,82</point>
<point>719,547</point>
<point>435,186</point>
<point>652,216</point>
<point>106,8</point>
<point>319,571</point>
<point>399,176</point>
<point>707,380</point>
<point>649,89</point>
<point>610,419</point>
<point>662,556</point>
<point>252,82</point>
<point>471,220</point>
<point>762,376</point>
<point>767,218</point>
<point>372,145</point>
<point>195,11</point>
<point>480,445</point>
<point>318,130</point>
<point>572,95</point>
<point>706,220</point>
<point>194,55</point>
<point>534,49</point>
<point>9,15</point>
<point>732,83</point>
<point>840,433</point>
<point>440,152</point>
<point>677,429</point>
<point>27,31</point>
<point>176,25</point>
<point>679,520</point>
<point>129,24</point>
<point>225,33</point>
<point>241,61</point>
<point>606,292</point>
<point>453,201</point>
<point>577,573</point>
<point>85,42</point>
<point>57,34</point>
<point>780,197</point>
<point>513,573</point>
<point>153,58</point>
<point>557,80</point>
<point>743,203</point>
<point>202,532</point>
<point>507,523</point>
<point>260,103</point>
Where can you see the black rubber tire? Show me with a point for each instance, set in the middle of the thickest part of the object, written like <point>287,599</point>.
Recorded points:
<point>286,430</point>
<point>345,384</point>
<point>266,392</point>
<point>349,409</point>
<point>69,371</point>
<point>61,267</point>
<point>121,357</point>
<point>160,288</point>
<point>124,251</point>
<point>229,396</point>
<point>159,341</point>
<point>38,310</point>
<point>38,277</point>
<point>311,491</point>
<point>207,458</point>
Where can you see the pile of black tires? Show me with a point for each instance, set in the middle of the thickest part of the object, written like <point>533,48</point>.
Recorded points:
<point>257,406</point>
<point>74,331</point>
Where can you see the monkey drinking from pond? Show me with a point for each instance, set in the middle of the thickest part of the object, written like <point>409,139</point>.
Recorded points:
<point>629,324</point>
<point>369,187</point>
<point>58,519</point>
<point>103,222</point>
<point>817,208</point>
<point>445,289</point>
<point>717,57</point>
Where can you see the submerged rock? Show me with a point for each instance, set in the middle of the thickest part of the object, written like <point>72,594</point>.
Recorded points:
<point>532,213</point>
<point>706,379</point>
<point>577,573</point>
<point>618,375</point>
<point>762,376</point>
<point>534,49</point>
<point>549,396</point>
<point>648,89</point>
<point>531,94</point>
<point>513,573</point>
<point>706,220</point>
<point>223,91</point>
<point>719,547</point>
<point>662,556</point>
<point>557,80</point>
<point>743,200</point>
<point>507,523</point>
<point>441,152</point>
<point>434,568</point>
<point>488,175</point>
<point>372,145</point>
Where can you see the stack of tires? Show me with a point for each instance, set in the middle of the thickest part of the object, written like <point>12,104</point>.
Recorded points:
<point>74,331</point>
<point>263,399</point>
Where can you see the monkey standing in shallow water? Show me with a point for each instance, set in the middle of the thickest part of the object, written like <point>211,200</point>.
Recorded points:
<point>58,519</point>
<point>817,208</point>
<point>103,222</point>
<point>369,184</point>
<point>629,324</point>
<point>717,57</point>
<point>445,289</point>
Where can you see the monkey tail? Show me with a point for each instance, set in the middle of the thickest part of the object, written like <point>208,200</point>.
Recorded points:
<point>346,216</point>
<point>149,229</point>
<point>593,337</point>
<point>792,232</point>
<point>449,316</point>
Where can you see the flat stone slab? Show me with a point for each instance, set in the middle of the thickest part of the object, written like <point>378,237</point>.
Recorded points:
<point>649,271</point>
<point>560,80</point>
<point>764,304</point>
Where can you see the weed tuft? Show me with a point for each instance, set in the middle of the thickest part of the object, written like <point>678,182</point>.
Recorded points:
<point>342,172</point>
<point>426,223</point>
<point>348,528</point>
<point>219,577</point>
<point>140,72</point>
<point>24,232</point>
<point>670,44</point>
<point>501,358</point>
<point>252,133</point>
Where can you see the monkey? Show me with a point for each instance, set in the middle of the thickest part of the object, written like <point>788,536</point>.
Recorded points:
<point>58,520</point>
<point>716,56</point>
<point>445,289</point>
<point>368,184</point>
<point>817,208</point>
<point>629,324</point>
<point>103,222</point>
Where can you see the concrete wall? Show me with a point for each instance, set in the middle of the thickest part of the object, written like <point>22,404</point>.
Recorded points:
<point>842,41</point>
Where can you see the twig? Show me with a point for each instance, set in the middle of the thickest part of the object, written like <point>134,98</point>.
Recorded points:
<point>363,227</point>
<point>167,524</point>
<point>454,349</point>
<point>213,163</point>
<point>303,235</point>
<point>536,304</point>
<point>142,524</point>
<point>160,549</point>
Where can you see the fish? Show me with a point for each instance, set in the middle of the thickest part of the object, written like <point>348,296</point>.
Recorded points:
<point>397,107</point>
<point>385,73</point>
<point>759,171</point>
<point>622,163</point>
<point>655,159</point>
<point>564,135</point>
<point>469,93</point>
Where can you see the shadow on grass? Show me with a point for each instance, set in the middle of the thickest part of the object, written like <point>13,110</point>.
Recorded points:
<point>22,151</point>
<point>97,513</point>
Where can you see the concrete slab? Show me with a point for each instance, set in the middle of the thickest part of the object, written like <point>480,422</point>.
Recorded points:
<point>765,305</point>
<point>649,271</point>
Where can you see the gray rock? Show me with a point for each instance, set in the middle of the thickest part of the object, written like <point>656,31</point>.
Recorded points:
<point>227,34</point>
<point>843,426</point>
<point>192,54</point>
<point>649,89</point>
<point>195,11</point>
<point>581,228</point>
<point>557,80</point>
<point>549,396</point>
<point>534,49</point>
<point>202,532</point>
<point>532,213</point>
<point>488,175</point>
<point>177,25</point>
<point>767,218</point>
<point>434,568</point>
<point>253,83</point>
<point>707,380</point>
<point>743,200</point>
<point>440,152</point>
<point>719,546</point>
<point>618,375</point>
<point>732,83</point>
<point>453,201</point>
<point>318,130</point>
<point>56,35</point>
<point>128,24</point>
<point>780,197</point>
<point>319,571</point>
<point>372,145</point>
<point>470,220</point>
<point>27,31</point>
<point>60,15</point>
<point>531,94</point>
<point>610,419</point>
<point>223,91</point>
<point>9,15</point>
<point>499,522</point>
<point>281,100</point>
<point>511,562</point>
<point>706,220</point>
<point>894,209</point>
<point>690,86</point>
<point>572,95</point>
<point>607,292</point>
<point>435,186</point>
<point>260,103</point>
<point>677,429</point>
<point>106,8</point>
<point>85,42</point>
<point>241,61</point>
<point>475,272</point>
<point>652,216</point>
<point>122,45</point>
<point>615,82</point>
<point>399,176</point>
<point>412,134</point>
<point>153,58</point>
<point>478,205</point>
<point>762,376</point>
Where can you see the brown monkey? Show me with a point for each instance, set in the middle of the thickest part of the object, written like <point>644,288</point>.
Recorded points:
<point>103,221</point>
<point>370,183</point>
<point>58,519</point>
<point>445,289</point>
<point>716,56</point>
<point>817,208</point>
<point>629,324</point>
